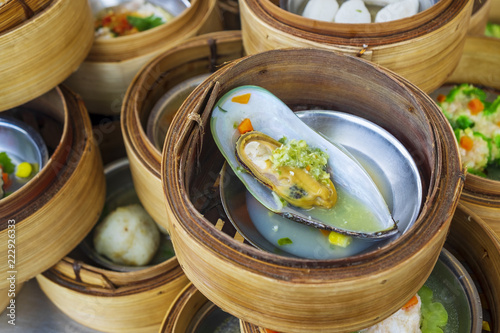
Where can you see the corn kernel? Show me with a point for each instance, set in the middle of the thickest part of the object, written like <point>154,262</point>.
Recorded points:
<point>339,239</point>
<point>24,170</point>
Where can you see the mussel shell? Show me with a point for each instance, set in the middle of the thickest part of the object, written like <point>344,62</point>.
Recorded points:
<point>272,117</point>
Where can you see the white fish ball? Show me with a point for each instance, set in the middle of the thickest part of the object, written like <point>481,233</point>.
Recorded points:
<point>380,3</point>
<point>321,10</point>
<point>127,236</point>
<point>353,11</point>
<point>398,10</point>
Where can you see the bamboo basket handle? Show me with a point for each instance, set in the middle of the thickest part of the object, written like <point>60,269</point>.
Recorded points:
<point>206,103</point>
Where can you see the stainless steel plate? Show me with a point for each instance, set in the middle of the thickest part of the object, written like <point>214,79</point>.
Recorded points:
<point>211,319</point>
<point>384,158</point>
<point>22,144</point>
<point>165,108</point>
<point>120,192</point>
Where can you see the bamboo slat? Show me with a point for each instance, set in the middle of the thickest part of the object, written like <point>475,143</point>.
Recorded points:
<point>15,12</point>
<point>494,14</point>
<point>424,54</point>
<point>56,209</point>
<point>480,16</point>
<point>103,78</point>
<point>479,66</point>
<point>289,294</point>
<point>193,57</point>
<point>40,53</point>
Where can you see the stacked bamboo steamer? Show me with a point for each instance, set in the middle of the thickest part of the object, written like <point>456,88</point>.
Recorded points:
<point>423,48</point>
<point>288,294</point>
<point>475,244</point>
<point>479,17</point>
<point>198,55</point>
<point>105,75</point>
<point>56,209</point>
<point>479,66</point>
<point>40,52</point>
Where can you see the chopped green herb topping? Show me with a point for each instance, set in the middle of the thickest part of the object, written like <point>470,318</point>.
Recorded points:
<point>145,23</point>
<point>434,315</point>
<point>492,30</point>
<point>298,154</point>
<point>6,163</point>
<point>284,241</point>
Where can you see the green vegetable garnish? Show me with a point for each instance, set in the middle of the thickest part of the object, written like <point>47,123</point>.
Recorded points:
<point>464,122</point>
<point>297,154</point>
<point>434,315</point>
<point>492,30</point>
<point>284,241</point>
<point>145,23</point>
<point>493,107</point>
<point>220,107</point>
<point>6,163</point>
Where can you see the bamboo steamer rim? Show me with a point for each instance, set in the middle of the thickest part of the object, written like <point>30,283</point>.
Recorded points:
<point>31,34</point>
<point>118,283</point>
<point>176,310</point>
<point>276,18</point>
<point>132,129</point>
<point>23,197</point>
<point>14,12</point>
<point>351,30</point>
<point>273,265</point>
<point>136,45</point>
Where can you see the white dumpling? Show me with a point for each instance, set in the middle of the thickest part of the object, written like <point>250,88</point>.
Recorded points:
<point>127,236</point>
<point>353,11</point>
<point>321,10</point>
<point>398,10</point>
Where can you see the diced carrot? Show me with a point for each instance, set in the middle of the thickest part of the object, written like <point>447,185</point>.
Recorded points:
<point>441,98</point>
<point>245,126</point>
<point>466,143</point>
<point>413,301</point>
<point>270,331</point>
<point>242,99</point>
<point>325,233</point>
<point>475,106</point>
<point>6,180</point>
<point>308,168</point>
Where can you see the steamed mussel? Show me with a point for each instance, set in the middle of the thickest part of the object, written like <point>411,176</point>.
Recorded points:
<point>296,195</point>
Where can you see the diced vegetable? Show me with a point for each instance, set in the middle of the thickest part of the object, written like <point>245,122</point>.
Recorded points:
<point>413,301</point>
<point>242,99</point>
<point>486,326</point>
<point>24,170</point>
<point>434,315</point>
<point>245,126</point>
<point>441,98</point>
<point>325,233</point>
<point>339,239</point>
<point>475,106</point>
<point>492,30</point>
<point>464,122</point>
<point>284,241</point>
<point>145,23</point>
<point>6,163</point>
<point>466,143</point>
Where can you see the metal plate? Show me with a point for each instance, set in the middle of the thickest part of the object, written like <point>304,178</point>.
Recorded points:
<point>22,144</point>
<point>174,7</point>
<point>384,158</point>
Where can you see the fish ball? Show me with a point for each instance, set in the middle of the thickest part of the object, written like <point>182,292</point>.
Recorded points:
<point>321,10</point>
<point>353,11</point>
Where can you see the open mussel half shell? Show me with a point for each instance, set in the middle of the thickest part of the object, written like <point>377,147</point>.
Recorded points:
<point>274,118</point>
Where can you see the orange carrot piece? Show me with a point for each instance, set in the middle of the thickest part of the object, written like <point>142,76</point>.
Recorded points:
<point>242,99</point>
<point>245,126</point>
<point>6,180</point>
<point>413,301</point>
<point>441,98</point>
<point>466,143</point>
<point>270,331</point>
<point>325,233</point>
<point>475,106</point>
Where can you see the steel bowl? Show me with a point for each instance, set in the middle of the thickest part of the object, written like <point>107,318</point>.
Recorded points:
<point>386,160</point>
<point>22,144</point>
<point>174,7</point>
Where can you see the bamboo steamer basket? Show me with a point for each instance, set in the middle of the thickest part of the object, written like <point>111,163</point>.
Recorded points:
<point>40,53</point>
<point>193,57</point>
<point>113,301</point>
<point>56,209</point>
<point>424,48</point>
<point>480,16</point>
<point>479,66</point>
<point>288,294</point>
<point>477,247</point>
<point>14,12</point>
<point>494,14</point>
<point>184,313</point>
<point>103,78</point>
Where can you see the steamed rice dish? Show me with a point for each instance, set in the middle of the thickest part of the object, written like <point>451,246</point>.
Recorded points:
<point>476,123</point>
